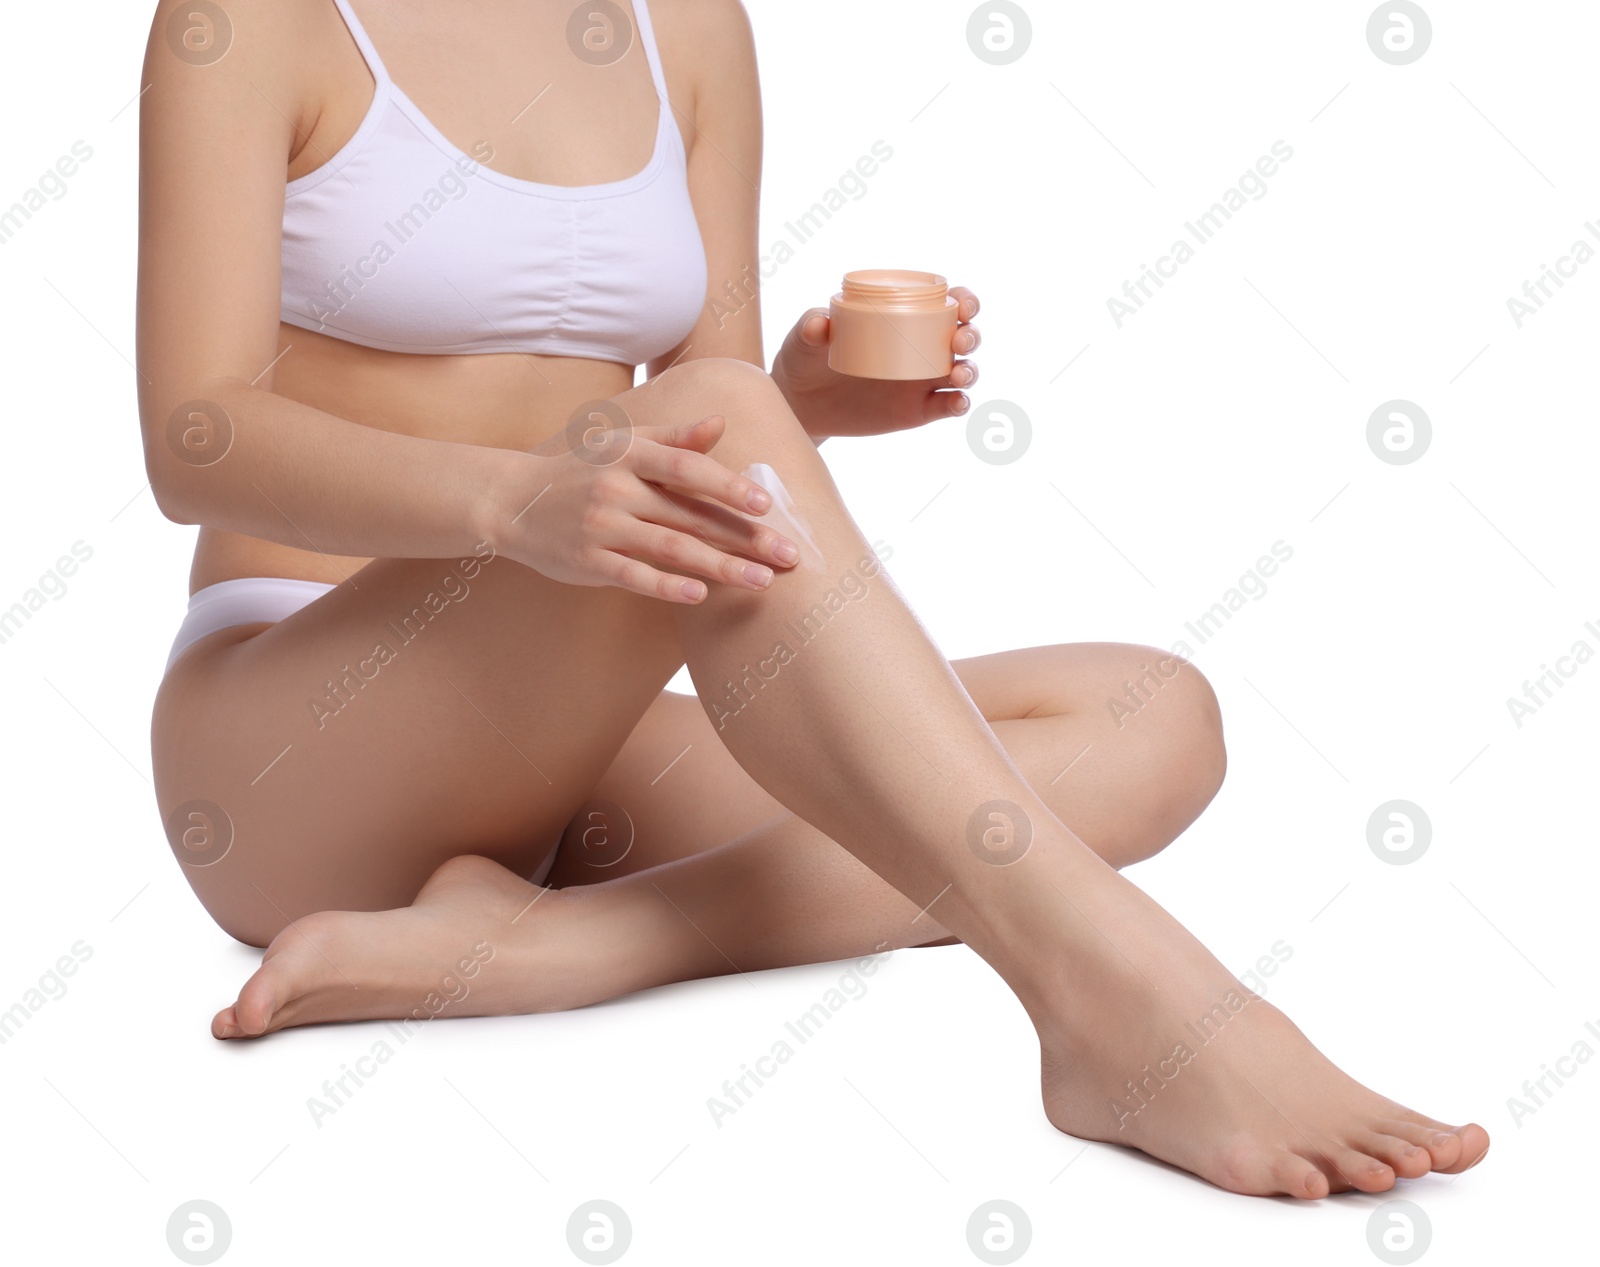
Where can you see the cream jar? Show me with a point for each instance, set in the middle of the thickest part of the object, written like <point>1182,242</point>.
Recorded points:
<point>892,323</point>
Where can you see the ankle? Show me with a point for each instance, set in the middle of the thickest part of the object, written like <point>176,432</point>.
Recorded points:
<point>1062,929</point>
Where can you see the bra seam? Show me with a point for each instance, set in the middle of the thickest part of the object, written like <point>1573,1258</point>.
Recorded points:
<point>536,345</point>
<point>571,255</point>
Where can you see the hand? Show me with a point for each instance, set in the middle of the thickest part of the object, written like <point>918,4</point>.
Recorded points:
<point>832,404</point>
<point>603,513</point>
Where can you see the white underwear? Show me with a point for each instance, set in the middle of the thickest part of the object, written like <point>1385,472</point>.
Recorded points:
<point>248,600</point>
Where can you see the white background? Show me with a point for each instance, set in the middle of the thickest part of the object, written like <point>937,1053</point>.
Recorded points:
<point>1229,414</point>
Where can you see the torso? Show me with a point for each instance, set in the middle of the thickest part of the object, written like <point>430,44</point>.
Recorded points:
<point>472,77</point>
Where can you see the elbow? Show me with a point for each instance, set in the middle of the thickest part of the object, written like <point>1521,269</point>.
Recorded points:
<point>170,506</point>
<point>171,481</point>
<point>165,481</point>
<point>198,434</point>
<point>164,488</point>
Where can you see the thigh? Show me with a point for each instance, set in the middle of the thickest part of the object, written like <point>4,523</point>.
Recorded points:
<point>1126,780</point>
<point>419,710</point>
<point>413,713</point>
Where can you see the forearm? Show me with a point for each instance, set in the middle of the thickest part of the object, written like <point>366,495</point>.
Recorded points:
<point>301,477</point>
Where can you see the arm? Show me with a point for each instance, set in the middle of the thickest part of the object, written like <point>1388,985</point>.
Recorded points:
<point>721,118</point>
<point>215,143</point>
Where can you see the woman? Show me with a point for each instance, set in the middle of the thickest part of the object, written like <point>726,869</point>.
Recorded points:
<point>449,557</point>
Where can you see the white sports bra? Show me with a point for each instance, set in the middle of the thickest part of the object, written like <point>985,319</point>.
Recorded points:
<point>403,242</point>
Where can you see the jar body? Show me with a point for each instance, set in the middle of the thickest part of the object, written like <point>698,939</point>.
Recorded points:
<point>892,324</point>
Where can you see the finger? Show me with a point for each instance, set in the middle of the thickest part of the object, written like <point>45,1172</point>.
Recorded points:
<point>720,527</point>
<point>966,340</point>
<point>945,405</point>
<point>965,374</point>
<point>688,471</point>
<point>815,327</point>
<point>699,435</point>
<point>606,445</point>
<point>966,302</point>
<point>641,578</point>
<point>684,552</point>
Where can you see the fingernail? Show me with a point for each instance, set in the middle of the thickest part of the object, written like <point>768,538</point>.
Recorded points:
<point>786,551</point>
<point>757,574</point>
<point>758,500</point>
<point>694,591</point>
<point>962,405</point>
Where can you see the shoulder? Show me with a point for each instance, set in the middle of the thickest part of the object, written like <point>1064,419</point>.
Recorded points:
<point>712,39</point>
<point>279,46</point>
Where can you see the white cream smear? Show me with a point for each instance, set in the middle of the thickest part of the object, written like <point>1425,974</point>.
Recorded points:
<point>784,516</point>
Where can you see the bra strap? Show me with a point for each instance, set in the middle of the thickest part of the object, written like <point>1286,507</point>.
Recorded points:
<point>647,35</point>
<point>374,63</point>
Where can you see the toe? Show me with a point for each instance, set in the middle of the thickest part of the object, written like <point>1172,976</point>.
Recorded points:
<point>263,998</point>
<point>1348,1167</point>
<point>1298,1177</point>
<point>1406,1159</point>
<point>1443,1144</point>
<point>1472,1143</point>
<point>1248,1168</point>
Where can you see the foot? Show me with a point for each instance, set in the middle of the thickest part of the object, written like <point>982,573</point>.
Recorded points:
<point>1163,1050</point>
<point>478,941</point>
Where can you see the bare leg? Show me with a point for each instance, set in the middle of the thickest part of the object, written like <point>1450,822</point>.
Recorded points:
<point>1126,784</point>
<point>784,893</point>
<point>863,731</point>
<point>681,905</point>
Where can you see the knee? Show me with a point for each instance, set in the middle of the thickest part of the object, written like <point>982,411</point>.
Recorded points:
<point>1194,736</point>
<point>1179,728</point>
<point>714,377</point>
<point>1203,732</point>
<point>751,404</point>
